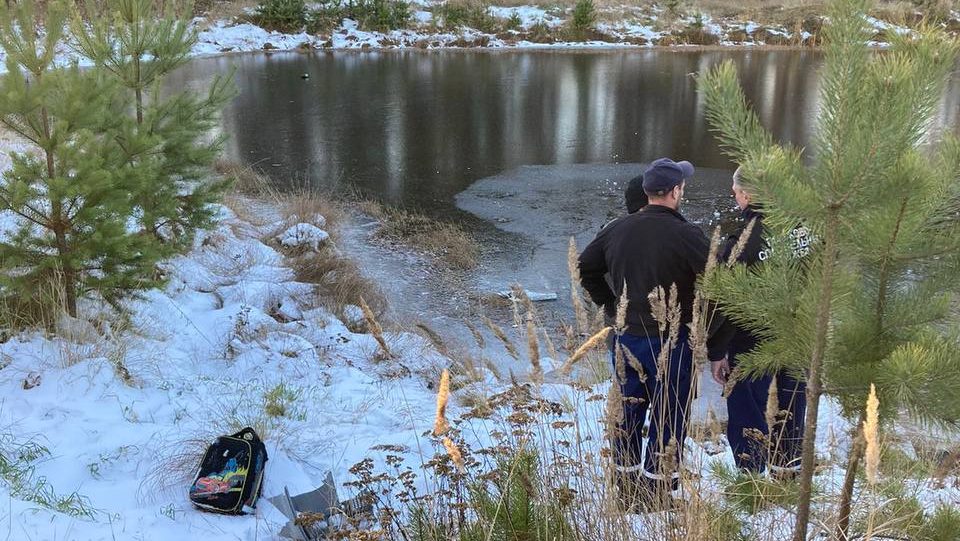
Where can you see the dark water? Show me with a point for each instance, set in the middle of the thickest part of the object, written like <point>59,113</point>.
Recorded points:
<point>417,128</point>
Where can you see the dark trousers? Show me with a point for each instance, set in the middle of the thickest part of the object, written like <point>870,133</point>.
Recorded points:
<point>753,443</point>
<point>666,396</point>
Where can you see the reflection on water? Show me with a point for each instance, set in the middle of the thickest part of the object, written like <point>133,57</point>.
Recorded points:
<point>416,128</point>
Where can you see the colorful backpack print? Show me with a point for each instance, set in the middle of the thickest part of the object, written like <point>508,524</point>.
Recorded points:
<point>230,476</point>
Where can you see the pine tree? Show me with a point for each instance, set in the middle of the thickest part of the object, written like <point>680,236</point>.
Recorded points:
<point>139,43</point>
<point>870,303</point>
<point>71,199</point>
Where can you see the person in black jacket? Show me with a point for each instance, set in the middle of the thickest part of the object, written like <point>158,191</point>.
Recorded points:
<point>654,247</point>
<point>750,438</point>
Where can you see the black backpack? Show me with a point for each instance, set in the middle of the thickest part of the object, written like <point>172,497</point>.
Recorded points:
<point>230,476</point>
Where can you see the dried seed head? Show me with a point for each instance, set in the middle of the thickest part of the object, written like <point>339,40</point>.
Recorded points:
<point>714,250</point>
<point>622,305</point>
<point>454,453</point>
<point>477,336</point>
<point>673,312</point>
<point>634,363</point>
<point>871,430</point>
<point>658,307</point>
<point>593,342</point>
<point>440,424</point>
<point>620,364</point>
<point>614,407</point>
<point>533,349</point>
<point>698,330</point>
<point>502,336</point>
<point>732,380</point>
<point>773,405</point>
<point>741,243</point>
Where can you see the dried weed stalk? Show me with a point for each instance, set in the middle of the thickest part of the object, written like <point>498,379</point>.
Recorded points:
<point>375,329</point>
<point>440,424</point>
<point>502,336</point>
<point>533,349</point>
<point>579,309</point>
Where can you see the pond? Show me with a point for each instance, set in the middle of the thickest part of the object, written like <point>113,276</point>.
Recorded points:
<point>524,147</point>
<point>416,128</point>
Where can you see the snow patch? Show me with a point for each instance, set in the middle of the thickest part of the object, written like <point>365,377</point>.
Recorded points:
<point>528,15</point>
<point>303,235</point>
<point>223,36</point>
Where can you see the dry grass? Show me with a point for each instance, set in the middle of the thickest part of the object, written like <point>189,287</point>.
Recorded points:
<point>445,241</point>
<point>339,281</point>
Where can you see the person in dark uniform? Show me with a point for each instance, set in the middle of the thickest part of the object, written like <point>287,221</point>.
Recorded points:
<point>654,247</point>
<point>756,446</point>
<point>634,199</point>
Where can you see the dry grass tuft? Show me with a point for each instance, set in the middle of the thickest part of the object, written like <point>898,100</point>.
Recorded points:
<point>445,241</point>
<point>176,467</point>
<point>245,180</point>
<point>339,281</point>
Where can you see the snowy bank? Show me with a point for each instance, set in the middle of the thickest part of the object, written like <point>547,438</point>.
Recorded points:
<point>117,417</point>
<point>520,27</point>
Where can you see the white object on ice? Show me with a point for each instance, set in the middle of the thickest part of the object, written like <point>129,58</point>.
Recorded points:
<point>534,296</point>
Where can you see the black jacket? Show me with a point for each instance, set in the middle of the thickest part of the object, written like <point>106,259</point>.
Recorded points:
<point>653,247</point>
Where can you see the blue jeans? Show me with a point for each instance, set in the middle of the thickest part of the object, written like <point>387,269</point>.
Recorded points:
<point>753,443</point>
<point>667,398</point>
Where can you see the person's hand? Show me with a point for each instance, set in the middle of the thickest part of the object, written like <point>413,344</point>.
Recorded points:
<point>720,369</point>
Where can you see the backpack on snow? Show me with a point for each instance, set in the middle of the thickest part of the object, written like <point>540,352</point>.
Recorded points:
<point>230,476</point>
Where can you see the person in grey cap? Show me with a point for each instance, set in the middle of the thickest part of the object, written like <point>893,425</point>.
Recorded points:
<point>654,247</point>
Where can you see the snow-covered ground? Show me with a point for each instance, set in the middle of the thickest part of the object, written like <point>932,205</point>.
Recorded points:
<point>198,360</point>
<point>111,419</point>
<point>621,26</point>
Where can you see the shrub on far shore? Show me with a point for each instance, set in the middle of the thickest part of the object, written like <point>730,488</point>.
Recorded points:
<point>281,15</point>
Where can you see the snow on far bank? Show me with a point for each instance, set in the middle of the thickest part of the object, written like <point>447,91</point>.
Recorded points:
<point>631,27</point>
<point>223,36</point>
<point>528,15</point>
